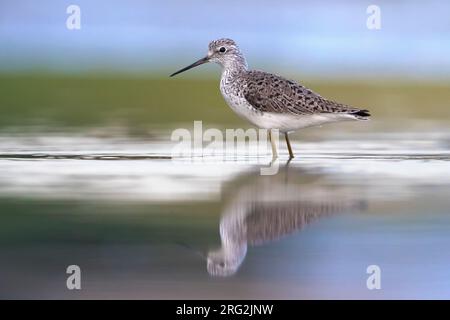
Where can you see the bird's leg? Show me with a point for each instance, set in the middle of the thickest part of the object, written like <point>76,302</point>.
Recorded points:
<point>291,154</point>
<point>274,147</point>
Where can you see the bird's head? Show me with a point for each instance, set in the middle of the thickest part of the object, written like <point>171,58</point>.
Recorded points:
<point>224,264</point>
<point>224,52</point>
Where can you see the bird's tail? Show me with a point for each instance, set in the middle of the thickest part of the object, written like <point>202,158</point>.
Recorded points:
<point>335,107</point>
<point>361,114</point>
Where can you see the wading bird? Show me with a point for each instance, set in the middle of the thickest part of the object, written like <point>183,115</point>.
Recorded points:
<point>269,101</point>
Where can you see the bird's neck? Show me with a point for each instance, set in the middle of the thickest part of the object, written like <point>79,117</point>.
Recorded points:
<point>233,253</point>
<point>235,66</point>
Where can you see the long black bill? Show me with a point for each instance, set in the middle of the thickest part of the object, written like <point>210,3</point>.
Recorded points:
<point>193,250</point>
<point>195,64</point>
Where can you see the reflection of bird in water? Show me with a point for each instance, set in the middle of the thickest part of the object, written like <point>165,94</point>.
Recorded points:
<point>266,210</point>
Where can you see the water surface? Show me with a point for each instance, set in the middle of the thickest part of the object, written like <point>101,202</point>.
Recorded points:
<point>142,224</point>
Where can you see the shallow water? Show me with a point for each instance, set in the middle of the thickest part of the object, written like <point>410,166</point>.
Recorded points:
<point>143,224</point>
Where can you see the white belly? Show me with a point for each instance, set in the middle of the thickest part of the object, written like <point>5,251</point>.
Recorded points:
<point>288,122</point>
<point>280,121</point>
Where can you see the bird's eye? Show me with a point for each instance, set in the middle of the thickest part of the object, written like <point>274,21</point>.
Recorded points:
<point>222,49</point>
<point>222,264</point>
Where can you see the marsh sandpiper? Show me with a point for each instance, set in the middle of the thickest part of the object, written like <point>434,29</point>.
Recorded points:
<point>269,101</point>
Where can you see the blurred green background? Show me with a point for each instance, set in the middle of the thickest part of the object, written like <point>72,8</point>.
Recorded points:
<point>141,103</point>
<point>114,70</point>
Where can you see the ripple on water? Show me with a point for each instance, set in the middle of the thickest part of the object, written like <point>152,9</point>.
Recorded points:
<point>133,168</point>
